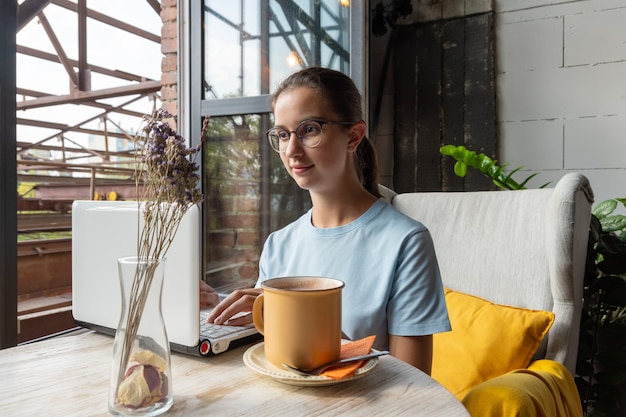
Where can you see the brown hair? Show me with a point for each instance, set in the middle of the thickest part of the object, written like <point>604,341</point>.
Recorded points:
<point>344,99</point>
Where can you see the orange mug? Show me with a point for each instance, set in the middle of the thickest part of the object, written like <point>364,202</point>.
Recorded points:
<point>300,318</point>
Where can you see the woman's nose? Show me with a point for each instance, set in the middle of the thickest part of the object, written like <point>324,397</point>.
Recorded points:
<point>293,146</point>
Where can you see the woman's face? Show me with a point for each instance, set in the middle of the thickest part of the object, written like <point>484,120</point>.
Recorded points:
<point>320,168</point>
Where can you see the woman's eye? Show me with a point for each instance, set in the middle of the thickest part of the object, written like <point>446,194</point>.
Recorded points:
<point>311,129</point>
<point>282,135</point>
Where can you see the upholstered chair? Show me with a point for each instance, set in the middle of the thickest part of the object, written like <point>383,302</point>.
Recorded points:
<point>512,263</point>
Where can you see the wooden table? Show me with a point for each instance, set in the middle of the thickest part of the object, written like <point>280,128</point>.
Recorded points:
<point>69,376</point>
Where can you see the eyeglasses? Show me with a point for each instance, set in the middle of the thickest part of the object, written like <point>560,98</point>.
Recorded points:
<point>308,132</point>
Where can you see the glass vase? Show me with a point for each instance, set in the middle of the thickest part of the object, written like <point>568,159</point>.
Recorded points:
<point>141,382</point>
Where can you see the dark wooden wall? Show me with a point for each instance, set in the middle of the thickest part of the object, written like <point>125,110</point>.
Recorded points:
<point>444,83</point>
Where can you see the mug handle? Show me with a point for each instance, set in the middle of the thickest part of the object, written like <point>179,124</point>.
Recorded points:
<point>257,314</point>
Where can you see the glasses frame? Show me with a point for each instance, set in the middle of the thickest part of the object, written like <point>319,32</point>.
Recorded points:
<point>289,132</point>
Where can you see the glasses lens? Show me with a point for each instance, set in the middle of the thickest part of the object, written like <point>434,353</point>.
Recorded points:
<point>275,137</point>
<point>310,133</point>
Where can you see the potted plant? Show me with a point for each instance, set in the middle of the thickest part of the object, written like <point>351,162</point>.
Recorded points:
<point>601,366</point>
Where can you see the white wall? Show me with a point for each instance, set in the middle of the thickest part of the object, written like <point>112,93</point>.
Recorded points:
<point>561,90</point>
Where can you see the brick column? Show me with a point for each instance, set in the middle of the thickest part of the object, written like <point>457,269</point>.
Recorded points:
<point>169,64</point>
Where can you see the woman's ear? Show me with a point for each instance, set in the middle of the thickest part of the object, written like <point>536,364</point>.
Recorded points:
<point>357,133</point>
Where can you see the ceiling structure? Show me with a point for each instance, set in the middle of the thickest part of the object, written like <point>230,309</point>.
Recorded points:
<point>80,72</point>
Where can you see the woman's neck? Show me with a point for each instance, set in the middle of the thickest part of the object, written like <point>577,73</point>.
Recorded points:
<point>340,207</point>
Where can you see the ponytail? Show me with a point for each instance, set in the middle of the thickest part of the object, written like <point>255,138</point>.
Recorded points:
<point>366,165</point>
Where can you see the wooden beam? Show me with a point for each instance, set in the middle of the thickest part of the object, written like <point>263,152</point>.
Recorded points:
<point>453,98</point>
<point>125,153</point>
<point>110,108</point>
<point>65,128</point>
<point>77,97</point>
<point>93,68</point>
<point>110,21</point>
<point>47,180</point>
<point>78,167</point>
<point>27,10</point>
<point>58,48</point>
<point>156,6</point>
<point>84,77</point>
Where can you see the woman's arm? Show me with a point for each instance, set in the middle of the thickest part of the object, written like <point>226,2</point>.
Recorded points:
<point>414,350</point>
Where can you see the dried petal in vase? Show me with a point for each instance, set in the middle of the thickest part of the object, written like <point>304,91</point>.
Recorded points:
<point>141,383</point>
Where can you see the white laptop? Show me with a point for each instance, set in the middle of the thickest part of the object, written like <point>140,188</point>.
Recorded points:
<point>102,232</point>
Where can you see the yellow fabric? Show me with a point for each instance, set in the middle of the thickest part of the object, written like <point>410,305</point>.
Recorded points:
<point>545,389</point>
<point>487,340</point>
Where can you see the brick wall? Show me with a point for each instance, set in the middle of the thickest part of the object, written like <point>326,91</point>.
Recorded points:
<point>169,64</point>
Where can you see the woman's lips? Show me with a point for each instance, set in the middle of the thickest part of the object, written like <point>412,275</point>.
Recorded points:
<point>300,169</point>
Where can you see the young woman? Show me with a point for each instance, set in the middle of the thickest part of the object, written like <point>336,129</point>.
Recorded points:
<point>392,284</point>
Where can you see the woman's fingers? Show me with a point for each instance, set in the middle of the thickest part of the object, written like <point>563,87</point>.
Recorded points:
<point>238,301</point>
<point>208,296</point>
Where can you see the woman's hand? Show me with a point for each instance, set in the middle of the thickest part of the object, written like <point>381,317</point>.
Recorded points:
<point>208,296</point>
<point>238,301</point>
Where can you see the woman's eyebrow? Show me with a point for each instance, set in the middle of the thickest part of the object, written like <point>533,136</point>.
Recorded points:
<point>306,119</point>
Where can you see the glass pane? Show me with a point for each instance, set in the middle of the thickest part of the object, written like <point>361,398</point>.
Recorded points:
<point>252,45</point>
<point>247,194</point>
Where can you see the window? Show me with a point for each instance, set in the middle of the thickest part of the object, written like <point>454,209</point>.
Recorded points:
<point>248,47</point>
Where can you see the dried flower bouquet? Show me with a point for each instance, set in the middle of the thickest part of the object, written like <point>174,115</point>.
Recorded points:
<point>166,168</point>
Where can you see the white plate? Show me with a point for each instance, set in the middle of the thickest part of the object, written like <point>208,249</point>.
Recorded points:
<point>255,359</point>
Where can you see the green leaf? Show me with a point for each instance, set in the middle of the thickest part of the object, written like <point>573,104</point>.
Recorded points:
<point>460,169</point>
<point>460,153</point>
<point>530,177</point>
<point>613,223</point>
<point>475,161</point>
<point>494,171</point>
<point>485,163</point>
<point>604,208</point>
<point>487,166</point>
<point>447,150</point>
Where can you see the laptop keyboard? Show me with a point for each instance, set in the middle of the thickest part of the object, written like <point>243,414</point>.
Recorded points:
<point>214,331</point>
<point>217,338</point>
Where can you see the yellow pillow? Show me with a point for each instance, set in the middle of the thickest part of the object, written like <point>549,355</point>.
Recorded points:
<point>487,340</point>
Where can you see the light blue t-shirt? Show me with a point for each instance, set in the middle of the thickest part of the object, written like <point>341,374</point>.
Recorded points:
<point>387,262</point>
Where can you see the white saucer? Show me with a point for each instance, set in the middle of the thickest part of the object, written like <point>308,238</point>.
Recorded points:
<point>254,358</point>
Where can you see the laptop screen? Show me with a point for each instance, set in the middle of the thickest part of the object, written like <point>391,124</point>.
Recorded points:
<point>102,232</point>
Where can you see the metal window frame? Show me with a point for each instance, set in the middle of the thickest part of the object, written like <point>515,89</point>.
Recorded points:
<point>192,107</point>
<point>8,176</point>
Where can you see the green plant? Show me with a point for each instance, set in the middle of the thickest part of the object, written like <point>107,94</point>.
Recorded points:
<point>464,158</point>
<point>601,366</point>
